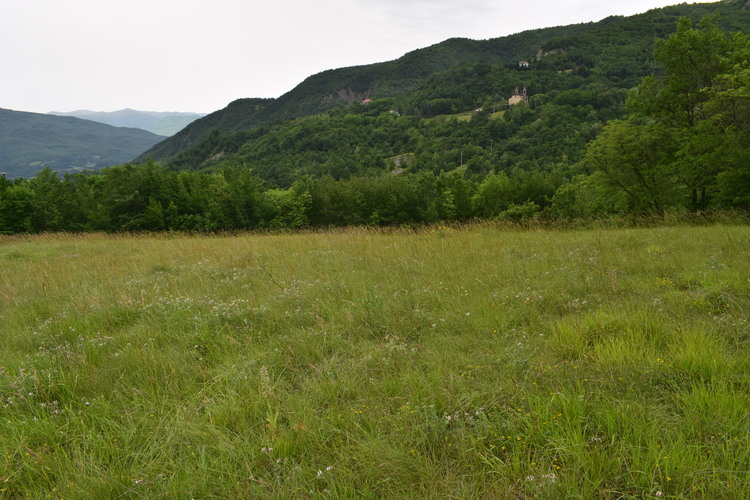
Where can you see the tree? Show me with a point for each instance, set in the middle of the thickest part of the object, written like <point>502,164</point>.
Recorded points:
<point>286,209</point>
<point>687,134</point>
<point>679,99</point>
<point>637,158</point>
<point>493,195</point>
<point>47,195</point>
<point>17,208</point>
<point>152,218</point>
<point>731,116</point>
<point>4,185</point>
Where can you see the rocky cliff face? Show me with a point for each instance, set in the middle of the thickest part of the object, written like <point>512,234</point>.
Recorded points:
<point>347,95</point>
<point>542,53</point>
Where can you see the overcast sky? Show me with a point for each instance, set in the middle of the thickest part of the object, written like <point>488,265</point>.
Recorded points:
<point>196,55</point>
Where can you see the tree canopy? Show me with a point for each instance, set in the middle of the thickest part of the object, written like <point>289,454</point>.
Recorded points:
<point>685,144</point>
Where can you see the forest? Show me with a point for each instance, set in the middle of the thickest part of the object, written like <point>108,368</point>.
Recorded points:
<point>587,144</point>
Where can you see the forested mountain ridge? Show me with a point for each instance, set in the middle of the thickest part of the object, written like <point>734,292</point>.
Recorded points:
<point>238,115</point>
<point>335,87</point>
<point>29,142</point>
<point>616,51</point>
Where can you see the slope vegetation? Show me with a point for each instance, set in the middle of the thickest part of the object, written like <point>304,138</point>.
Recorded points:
<point>615,52</point>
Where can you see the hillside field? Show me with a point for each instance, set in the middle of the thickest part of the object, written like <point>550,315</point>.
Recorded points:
<point>474,361</point>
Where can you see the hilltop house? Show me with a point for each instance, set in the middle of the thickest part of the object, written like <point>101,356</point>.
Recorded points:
<point>517,97</point>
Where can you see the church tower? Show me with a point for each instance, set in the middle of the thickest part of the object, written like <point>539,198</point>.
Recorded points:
<point>518,97</point>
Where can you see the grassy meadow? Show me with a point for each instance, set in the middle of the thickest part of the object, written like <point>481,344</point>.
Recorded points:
<point>465,362</point>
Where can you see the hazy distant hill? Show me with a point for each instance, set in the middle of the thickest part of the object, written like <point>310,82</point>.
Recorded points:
<point>159,123</point>
<point>29,142</point>
<point>616,51</point>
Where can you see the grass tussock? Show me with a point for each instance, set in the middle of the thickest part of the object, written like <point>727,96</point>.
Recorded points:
<point>461,362</point>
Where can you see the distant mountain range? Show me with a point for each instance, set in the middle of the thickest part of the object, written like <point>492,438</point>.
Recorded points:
<point>29,142</point>
<point>159,123</point>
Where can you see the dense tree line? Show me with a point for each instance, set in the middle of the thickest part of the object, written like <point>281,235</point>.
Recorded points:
<point>153,198</point>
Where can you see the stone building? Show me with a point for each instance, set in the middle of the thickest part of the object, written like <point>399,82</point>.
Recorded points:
<point>518,97</point>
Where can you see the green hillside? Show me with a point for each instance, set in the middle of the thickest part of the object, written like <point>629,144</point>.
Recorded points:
<point>29,142</point>
<point>578,77</point>
<point>238,115</point>
<point>615,52</point>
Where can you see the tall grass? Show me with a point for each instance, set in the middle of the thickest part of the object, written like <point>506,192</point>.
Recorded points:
<point>469,362</point>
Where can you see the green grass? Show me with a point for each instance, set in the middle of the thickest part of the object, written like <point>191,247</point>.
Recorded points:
<point>463,116</point>
<point>467,362</point>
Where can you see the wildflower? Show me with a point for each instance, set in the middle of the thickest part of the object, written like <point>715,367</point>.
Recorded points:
<point>265,382</point>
